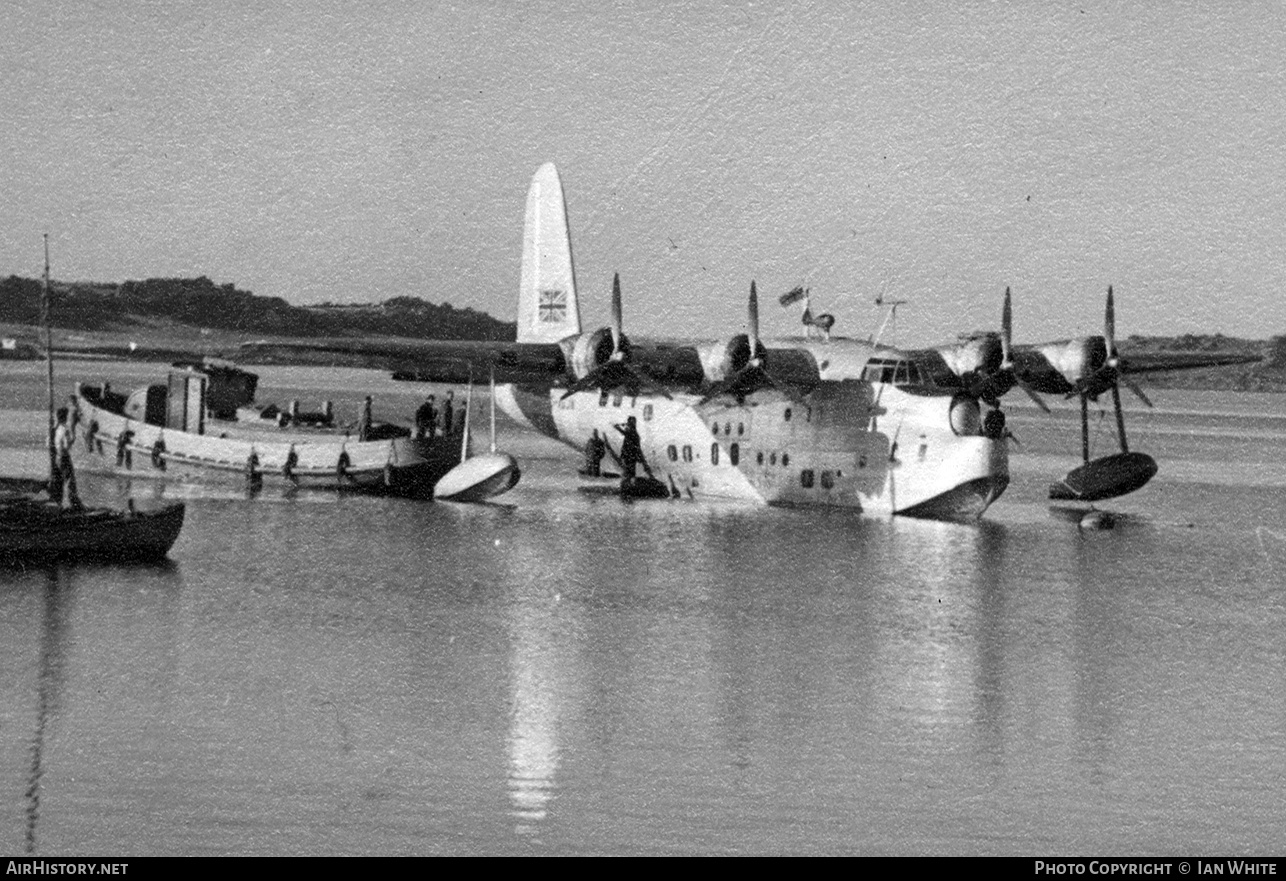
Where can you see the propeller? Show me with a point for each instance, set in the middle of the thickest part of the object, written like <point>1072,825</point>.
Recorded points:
<point>752,373</point>
<point>991,386</point>
<point>1007,349</point>
<point>1113,362</point>
<point>616,370</point>
<point>1111,374</point>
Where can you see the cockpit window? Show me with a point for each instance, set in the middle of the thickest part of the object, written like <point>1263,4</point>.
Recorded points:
<point>893,371</point>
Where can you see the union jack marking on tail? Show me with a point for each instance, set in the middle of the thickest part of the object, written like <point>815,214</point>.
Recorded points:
<point>553,305</point>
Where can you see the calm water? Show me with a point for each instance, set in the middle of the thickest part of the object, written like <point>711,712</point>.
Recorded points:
<point>567,674</point>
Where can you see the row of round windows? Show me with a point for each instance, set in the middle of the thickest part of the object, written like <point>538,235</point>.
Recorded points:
<point>734,455</point>
<point>807,477</point>
<point>741,426</point>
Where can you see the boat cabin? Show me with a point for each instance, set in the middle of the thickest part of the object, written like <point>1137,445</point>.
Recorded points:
<point>179,403</point>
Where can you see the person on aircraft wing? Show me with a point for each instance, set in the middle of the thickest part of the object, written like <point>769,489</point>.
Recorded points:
<point>426,419</point>
<point>595,450</point>
<point>632,448</point>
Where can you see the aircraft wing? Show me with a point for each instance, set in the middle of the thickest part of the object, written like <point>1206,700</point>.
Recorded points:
<point>427,360</point>
<point>1159,361</point>
<point>989,365</point>
<point>525,363</point>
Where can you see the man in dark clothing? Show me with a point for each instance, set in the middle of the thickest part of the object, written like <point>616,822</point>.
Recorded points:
<point>595,450</point>
<point>632,448</point>
<point>448,413</point>
<point>364,420</point>
<point>426,419</point>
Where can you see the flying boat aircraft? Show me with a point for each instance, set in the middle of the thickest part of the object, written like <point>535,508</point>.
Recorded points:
<point>815,420</point>
<point>818,421</point>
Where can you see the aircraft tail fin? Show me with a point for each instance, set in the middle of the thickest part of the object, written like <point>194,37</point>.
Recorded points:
<point>547,307</point>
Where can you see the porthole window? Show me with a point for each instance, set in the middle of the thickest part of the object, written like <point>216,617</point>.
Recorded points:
<point>772,458</point>
<point>647,412</point>
<point>828,480</point>
<point>759,457</point>
<point>617,398</point>
<point>714,428</point>
<point>741,429</point>
<point>806,478</point>
<point>785,459</point>
<point>734,454</point>
<point>727,428</point>
<point>714,454</point>
<point>673,452</point>
<point>602,398</point>
<point>786,415</point>
<point>687,453</point>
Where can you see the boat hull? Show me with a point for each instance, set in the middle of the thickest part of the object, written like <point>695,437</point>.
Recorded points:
<point>111,443</point>
<point>42,532</point>
<point>478,478</point>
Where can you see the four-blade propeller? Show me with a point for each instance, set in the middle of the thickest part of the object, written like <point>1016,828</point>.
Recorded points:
<point>1112,371</point>
<point>754,373</point>
<point>616,371</point>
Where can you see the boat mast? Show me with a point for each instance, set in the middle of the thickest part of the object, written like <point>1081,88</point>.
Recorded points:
<point>493,408</point>
<point>49,362</point>
<point>468,408</point>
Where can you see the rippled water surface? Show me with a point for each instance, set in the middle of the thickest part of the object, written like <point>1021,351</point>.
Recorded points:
<point>567,674</point>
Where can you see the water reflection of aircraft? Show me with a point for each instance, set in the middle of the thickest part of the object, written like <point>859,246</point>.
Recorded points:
<point>818,420</point>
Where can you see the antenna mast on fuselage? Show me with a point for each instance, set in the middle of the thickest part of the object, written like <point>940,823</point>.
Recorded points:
<point>889,318</point>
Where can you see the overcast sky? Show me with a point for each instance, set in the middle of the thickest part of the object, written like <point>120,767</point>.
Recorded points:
<point>357,151</point>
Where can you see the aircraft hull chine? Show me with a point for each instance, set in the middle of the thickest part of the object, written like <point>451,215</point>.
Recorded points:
<point>964,502</point>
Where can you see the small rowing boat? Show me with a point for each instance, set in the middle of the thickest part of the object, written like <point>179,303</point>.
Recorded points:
<point>33,530</point>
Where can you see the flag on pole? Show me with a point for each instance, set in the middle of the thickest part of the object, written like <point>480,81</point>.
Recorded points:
<point>793,297</point>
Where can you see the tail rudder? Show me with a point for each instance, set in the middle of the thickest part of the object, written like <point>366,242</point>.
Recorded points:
<point>547,307</point>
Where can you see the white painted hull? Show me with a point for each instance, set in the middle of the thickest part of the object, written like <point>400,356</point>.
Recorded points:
<point>109,442</point>
<point>478,478</point>
<point>854,445</point>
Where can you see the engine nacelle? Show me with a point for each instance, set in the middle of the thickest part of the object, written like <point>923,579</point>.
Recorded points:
<point>722,359</point>
<point>587,352</point>
<point>1076,361</point>
<point>980,355</point>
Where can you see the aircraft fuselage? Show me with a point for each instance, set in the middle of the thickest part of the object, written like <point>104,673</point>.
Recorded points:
<point>874,446</point>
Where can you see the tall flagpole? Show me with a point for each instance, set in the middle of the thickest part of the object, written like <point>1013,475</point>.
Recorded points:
<point>49,364</point>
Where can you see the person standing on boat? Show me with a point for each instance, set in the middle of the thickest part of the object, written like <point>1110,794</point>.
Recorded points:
<point>448,413</point>
<point>64,483</point>
<point>631,448</point>
<point>426,419</point>
<point>364,421</point>
<point>595,450</point>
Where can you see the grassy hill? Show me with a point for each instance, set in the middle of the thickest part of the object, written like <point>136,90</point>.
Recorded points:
<point>141,307</point>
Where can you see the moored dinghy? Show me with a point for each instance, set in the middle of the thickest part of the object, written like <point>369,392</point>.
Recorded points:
<point>483,476</point>
<point>33,530</point>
